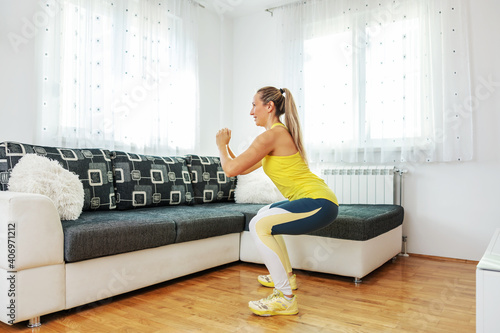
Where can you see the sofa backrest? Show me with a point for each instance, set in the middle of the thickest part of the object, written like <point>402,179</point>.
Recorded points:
<point>93,167</point>
<point>116,179</point>
<point>210,183</point>
<point>143,180</point>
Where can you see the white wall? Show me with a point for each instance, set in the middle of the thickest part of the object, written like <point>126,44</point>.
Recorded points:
<point>215,73</point>
<point>17,87</point>
<point>450,208</point>
<point>255,66</point>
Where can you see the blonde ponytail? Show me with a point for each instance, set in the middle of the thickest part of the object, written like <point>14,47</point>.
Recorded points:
<point>285,104</point>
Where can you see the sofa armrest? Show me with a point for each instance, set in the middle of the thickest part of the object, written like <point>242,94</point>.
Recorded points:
<point>31,234</point>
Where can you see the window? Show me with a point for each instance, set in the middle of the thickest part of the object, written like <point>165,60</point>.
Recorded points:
<point>125,76</point>
<point>374,80</point>
<point>369,70</point>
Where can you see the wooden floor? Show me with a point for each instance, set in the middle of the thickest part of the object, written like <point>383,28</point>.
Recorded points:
<point>411,294</point>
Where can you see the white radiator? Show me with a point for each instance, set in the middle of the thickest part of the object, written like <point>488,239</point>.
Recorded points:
<point>365,184</point>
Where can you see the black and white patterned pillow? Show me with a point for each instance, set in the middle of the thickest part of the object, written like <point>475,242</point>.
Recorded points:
<point>93,167</point>
<point>142,181</point>
<point>210,183</point>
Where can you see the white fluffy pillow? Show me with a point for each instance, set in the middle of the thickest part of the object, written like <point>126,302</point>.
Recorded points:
<point>40,175</point>
<point>256,187</point>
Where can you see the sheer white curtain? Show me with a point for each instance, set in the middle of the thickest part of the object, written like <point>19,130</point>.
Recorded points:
<point>120,75</point>
<point>379,81</point>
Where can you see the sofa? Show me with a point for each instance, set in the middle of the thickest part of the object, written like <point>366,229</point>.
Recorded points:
<point>149,219</point>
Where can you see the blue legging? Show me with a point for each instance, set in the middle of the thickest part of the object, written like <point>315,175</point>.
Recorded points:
<point>287,218</point>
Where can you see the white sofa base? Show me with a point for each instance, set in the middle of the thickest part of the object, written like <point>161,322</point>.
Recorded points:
<point>31,293</point>
<point>96,279</point>
<point>331,255</point>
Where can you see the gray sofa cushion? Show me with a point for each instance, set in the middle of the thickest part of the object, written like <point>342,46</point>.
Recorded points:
<point>143,181</point>
<point>99,234</point>
<point>354,222</point>
<point>363,222</point>
<point>203,221</point>
<point>247,209</point>
<point>209,181</point>
<point>93,167</point>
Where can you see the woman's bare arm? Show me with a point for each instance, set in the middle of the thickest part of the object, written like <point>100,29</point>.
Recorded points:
<point>247,161</point>
<point>252,168</point>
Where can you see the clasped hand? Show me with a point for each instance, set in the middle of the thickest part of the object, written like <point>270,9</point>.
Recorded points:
<point>223,137</point>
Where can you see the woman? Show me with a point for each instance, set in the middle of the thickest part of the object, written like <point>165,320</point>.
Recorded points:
<point>311,204</point>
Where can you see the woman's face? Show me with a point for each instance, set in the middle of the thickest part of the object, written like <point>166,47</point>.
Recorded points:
<point>260,111</point>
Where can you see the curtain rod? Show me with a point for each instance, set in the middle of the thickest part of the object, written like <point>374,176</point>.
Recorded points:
<point>270,10</point>
<point>199,4</point>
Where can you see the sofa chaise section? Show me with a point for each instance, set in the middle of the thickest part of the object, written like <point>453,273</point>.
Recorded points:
<point>361,239</point>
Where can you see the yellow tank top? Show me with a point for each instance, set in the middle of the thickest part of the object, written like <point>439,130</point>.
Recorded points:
<point>294,180</point>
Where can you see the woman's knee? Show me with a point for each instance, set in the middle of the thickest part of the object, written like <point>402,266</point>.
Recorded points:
<point>257,217</point>
<point>258,225</point>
